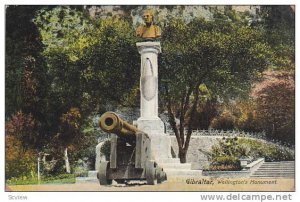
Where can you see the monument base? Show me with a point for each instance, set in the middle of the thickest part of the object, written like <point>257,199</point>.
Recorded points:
<point>160,142</point>
<point>160,146</point>
<point>151,126</point>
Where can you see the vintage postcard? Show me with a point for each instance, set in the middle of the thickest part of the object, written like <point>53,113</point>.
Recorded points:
<point>159,98</point>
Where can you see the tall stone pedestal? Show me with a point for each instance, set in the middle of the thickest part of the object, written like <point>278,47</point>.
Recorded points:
<point>149,121</point>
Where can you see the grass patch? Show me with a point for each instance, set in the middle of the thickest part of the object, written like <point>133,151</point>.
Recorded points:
<point>59,179</point>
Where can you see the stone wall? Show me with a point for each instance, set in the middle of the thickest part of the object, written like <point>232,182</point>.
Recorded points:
<point>194,156</point>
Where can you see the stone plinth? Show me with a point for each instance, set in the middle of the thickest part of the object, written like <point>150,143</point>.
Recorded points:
<point>148,80</point>
<point>149,122</point>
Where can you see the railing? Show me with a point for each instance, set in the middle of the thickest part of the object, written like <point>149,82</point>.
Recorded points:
<point>222,133</point>
<point>225,133</point>
<point>237,133</point>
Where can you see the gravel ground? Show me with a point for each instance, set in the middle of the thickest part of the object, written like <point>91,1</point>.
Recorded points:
<point>170,185</point>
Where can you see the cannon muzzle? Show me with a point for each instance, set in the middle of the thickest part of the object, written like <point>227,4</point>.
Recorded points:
<point>110,122</point>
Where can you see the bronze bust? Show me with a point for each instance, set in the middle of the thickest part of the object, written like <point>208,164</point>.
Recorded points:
<point>149,30</point>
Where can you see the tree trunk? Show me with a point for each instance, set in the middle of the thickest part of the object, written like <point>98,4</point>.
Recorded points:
<point>182,155</point>
<point>67,164</point>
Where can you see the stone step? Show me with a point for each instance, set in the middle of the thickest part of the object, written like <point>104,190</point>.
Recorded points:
<point>92,174</point>
<point>282,167</point>
<point>277,168</point>
<point>281,173</point>
<point>86,180</point>
<point>275,173</point>
<point>289,168</point>
<point>271,165</point>
<point>168,160</point>
<point>183,172</point>
<point>279,164</point>
<point>272,176</point>
<point>187,166</point>
<point>274,170</point>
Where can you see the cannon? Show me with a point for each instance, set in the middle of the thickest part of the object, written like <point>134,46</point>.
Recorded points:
<point>130,154</point>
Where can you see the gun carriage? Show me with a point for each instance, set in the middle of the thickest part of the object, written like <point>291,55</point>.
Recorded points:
<point>130,154</point>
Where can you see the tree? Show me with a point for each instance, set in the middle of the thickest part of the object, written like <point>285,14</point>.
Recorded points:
<point>69,134</point>
<point>85,57</point>
<point>25,128</point>
<point>225,121</point>
<point>279,26</point>
<point>223,54</point>
<point>275,105</point>
<point>21,138</point>
<point>24,65</point>
<point>19,162</point>
<point>247,120</point>
<point>25,74</point>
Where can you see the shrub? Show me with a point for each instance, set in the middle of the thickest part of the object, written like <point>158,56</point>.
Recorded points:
<point>225,155</point>
<point>269,151</point>
<point>18,161</point>
<point>24,127</point>
<point>223,168</point>
<point>224,163</point>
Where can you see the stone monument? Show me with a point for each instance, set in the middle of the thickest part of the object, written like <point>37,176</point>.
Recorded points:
<point>149,122</point>
<point>149,47</point>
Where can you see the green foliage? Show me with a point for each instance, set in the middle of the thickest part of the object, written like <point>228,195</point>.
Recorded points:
<point>225,163</point>
<point>105,149</point>
<point>226,121</point>
<point>85,148</point>
<point>58,179</point>
<point>70,127</point>
<point>279,26</point>
<point>21,136</point>
<point>225,155</point>
<point>247,120</point>
<point>206,112</point>
<point>19,162</point>
<point>225,55</point>
<point>269,151</point>
<point>59,59</point>
<point>90,62</point>
<point>24,127</point>
<point>25,74</point>
<point>57,169</point>
<point>275,105</point>
<point>86,57</point>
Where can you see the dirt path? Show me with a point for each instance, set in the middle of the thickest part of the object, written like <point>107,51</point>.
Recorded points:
<point>171,185</point>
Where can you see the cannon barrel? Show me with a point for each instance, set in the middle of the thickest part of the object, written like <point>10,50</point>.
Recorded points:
<point>110,122</point>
